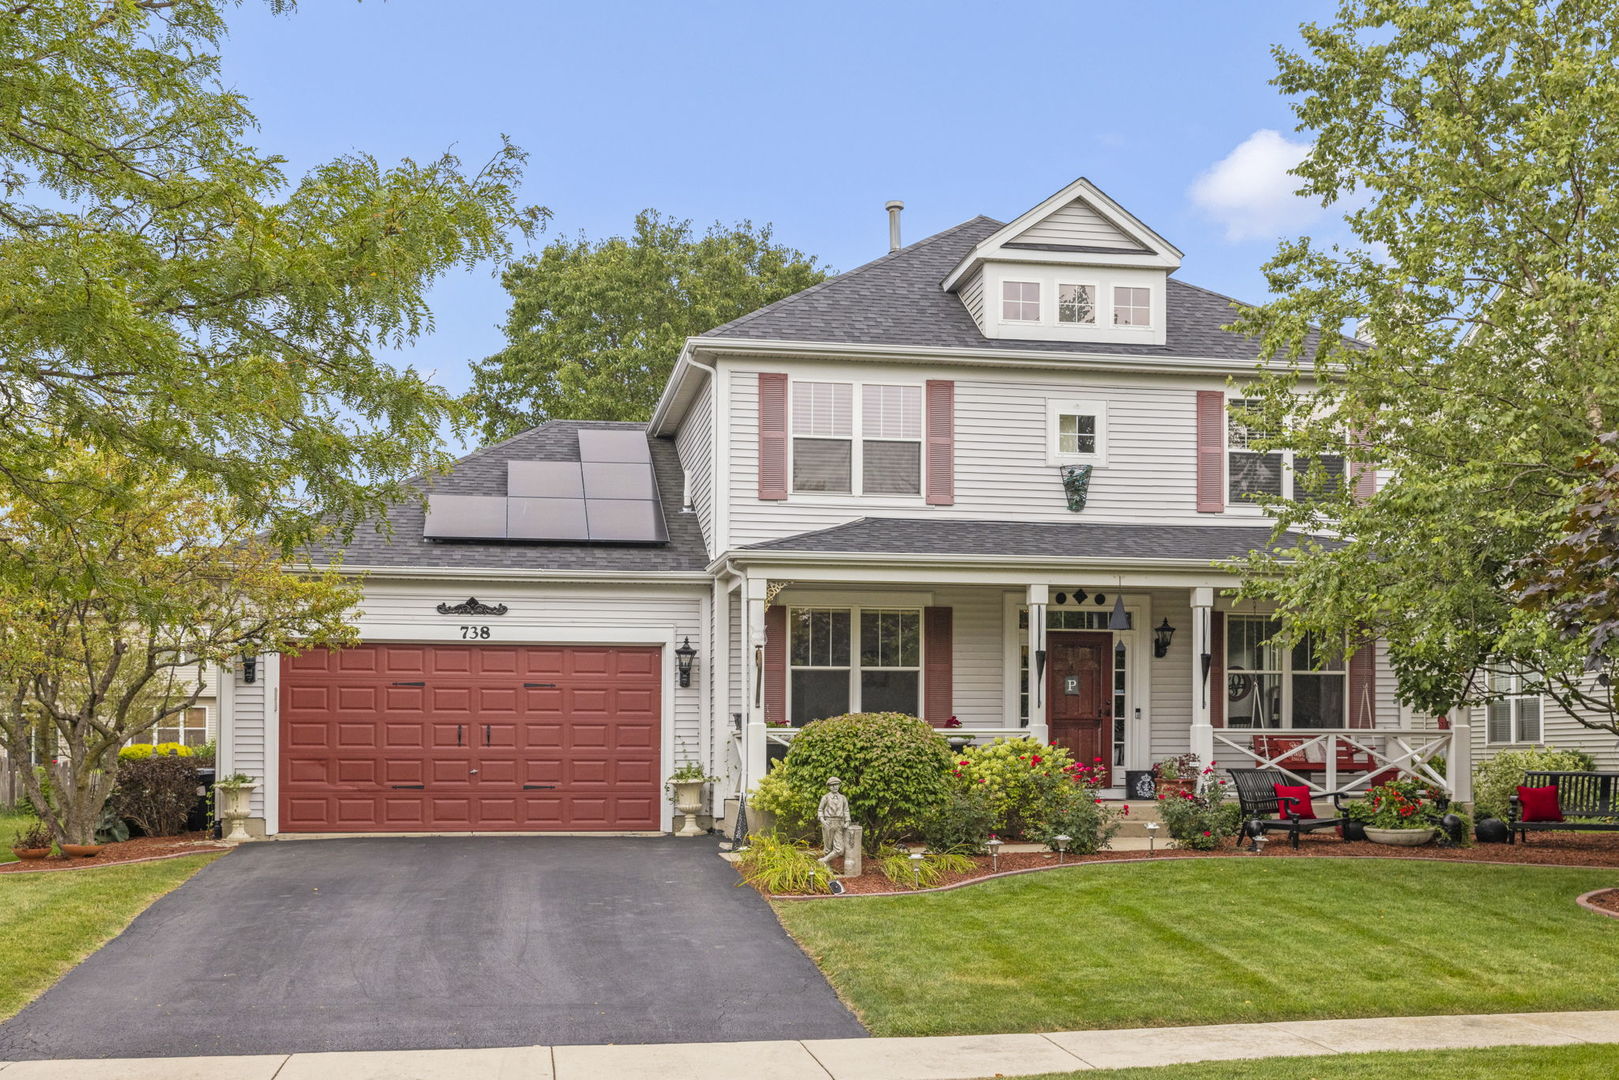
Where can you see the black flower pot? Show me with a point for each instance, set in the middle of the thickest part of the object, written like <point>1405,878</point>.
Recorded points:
<point>1354,830</point>
<point>1492,831</point>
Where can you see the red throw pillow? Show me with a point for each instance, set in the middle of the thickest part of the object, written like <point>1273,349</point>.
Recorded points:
<point>1294,797</point>
<point>1539,804</point>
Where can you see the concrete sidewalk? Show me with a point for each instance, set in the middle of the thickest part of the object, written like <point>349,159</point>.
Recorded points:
<point>947,1058</point>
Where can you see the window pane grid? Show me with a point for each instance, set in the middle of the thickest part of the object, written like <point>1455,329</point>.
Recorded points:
<point>1076,304</point>
<point>1020,301</point>
<point>1132,306</point>
<point>826,675</point>
<point>1076,433</point>
<point>821,408</point>
<point>891,412</point>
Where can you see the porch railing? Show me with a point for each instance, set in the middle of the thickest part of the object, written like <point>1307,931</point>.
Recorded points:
<point>783,736</point>
<point>1350,760</point>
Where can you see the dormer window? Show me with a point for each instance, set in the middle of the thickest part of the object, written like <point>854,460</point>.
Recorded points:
<point>1132,306</point>
<point>1020,301</point>
<point>1076,304</point>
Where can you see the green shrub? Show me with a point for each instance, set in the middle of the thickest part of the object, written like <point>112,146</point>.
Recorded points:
<point>775,864</point>
<point>156,793</point>
<point>958,825</point>
<point>1075,812</point>
<point>1496,780</point>
<point>892,767</point>
<point>1017,776</point>
<point>923,873</point>
<point>1201,821</point>
<point>794,817</point>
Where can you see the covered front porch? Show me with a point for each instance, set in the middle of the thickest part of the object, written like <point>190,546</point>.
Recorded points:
<point>1127,663</point>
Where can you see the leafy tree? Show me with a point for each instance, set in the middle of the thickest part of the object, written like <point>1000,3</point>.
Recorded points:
<point>167,293</point>
<point>1472,142</point>
<point>110,610</point>
<point>595,328</point>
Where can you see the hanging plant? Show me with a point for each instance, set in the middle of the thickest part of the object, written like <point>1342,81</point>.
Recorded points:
<point>1076,484</point>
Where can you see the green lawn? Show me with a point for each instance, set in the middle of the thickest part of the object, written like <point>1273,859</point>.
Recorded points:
<point>1216,941</point>
<point>1504,1063</point>
<point>50,922</point>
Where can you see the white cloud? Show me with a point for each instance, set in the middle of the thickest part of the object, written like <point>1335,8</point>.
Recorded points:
<point>1250,191</point>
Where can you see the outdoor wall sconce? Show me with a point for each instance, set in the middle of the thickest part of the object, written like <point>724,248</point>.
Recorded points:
<point>683,658</point>
<point>1162,634</point>
<point>250,668</point>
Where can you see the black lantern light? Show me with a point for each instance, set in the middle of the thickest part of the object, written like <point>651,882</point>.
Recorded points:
<point>1161,636</point>
<point>250,668</point>
<point>683,658</point>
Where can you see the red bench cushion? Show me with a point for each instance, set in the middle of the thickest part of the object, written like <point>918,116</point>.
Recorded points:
<point>1292,798</point>
<point>1539,803</point>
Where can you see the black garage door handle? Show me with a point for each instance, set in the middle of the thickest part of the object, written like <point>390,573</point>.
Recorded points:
<point>540,685</point>
<point>458,734</point>
<point>539,787</point>
<point>408,787</point>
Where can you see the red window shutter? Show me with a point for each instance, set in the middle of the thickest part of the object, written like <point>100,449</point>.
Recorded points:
<point>1365,480</point>
<point>1211,451</point>
<point>775,665</point>
<point>937,665</point>
<point>772,435</point>
<point>1217,687</point>
<point>1363,687</point>
<point>941,447</point>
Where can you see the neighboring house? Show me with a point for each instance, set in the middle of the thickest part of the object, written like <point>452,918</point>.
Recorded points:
<point>851,499</point>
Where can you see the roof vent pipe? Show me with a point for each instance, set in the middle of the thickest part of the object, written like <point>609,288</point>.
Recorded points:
<point>894,207</point>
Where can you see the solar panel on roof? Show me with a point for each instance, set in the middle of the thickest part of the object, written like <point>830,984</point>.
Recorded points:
<point>545,479</point>
<point>613,444</point>
<point>545,519</point>
<point>619,480</point>
<point>465,517</point>
<point>625,520</point>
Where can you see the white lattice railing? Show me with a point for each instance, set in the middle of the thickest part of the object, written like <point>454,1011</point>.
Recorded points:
<point>783,736</point>
<point>1350,760</point>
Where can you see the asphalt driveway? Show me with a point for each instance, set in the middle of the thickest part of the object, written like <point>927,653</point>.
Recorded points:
<point>379,944</point>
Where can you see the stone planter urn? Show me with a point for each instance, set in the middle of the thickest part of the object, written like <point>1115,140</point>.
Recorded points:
<point>1400,837</point>
<point>688,798</point>
<point>235,807</point>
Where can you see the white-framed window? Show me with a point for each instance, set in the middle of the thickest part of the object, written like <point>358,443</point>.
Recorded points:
<point>189,728</point>
<point>842,660</point>
<point>1020,301</point>
<point>891,444</point>
<point>1132,305</point>
<point>1251,474</point>
<point>1076,432</point>
<point>1268,686</point>
<point>1515,710</point>
<point>829,458</point>
<point>1076,304</point>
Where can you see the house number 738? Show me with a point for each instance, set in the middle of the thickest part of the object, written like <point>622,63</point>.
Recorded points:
<point>474,632</point>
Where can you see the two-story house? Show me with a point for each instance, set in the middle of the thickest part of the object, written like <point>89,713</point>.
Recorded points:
<point>987,476</point>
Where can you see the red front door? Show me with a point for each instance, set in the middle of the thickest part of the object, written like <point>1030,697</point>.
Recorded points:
<point>403,738</point>
<point>1079,695</point>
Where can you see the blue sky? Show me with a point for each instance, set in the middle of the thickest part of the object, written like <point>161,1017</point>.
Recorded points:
<point>808,116</point>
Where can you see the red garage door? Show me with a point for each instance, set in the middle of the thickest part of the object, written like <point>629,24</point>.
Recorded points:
<point>407,738</point>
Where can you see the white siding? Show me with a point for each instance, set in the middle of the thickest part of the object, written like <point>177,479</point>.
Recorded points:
<point>695,447</point>
<point>1076,225</point>
<point>1170,719</point>
<point>1559,730</point>
<point>1001,468</point>
<point>972,295</point>
<point>978,661</point>
<point>403,610</point>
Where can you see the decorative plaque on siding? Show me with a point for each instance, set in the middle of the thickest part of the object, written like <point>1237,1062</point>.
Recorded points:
<point>472,607</point>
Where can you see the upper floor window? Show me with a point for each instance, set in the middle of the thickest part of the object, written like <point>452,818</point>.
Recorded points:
<point>1020,301</point>
<point>1076,432</point>
<point>1254,474</point>
<point>827,455</point>
<point>1514,714</point>
<point>1268,686</point>
<point>1076,304</point>
<point>1132,306</point>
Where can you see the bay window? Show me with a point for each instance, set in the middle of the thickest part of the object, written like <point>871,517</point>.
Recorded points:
<point>831,672</point>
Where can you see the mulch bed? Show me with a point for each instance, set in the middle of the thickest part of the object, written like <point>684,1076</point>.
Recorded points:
<point>1606,901</point>
<point>142,847</point>
<point>1571,849</point>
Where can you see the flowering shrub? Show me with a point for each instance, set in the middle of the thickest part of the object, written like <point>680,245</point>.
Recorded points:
<point>1399,804</point>
<point>1200,820</point>
<point>142,751</point>
<point>1074,811</point>
<point>1017,777</point>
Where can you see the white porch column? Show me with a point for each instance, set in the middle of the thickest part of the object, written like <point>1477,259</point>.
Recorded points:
<point>753,743</point>
<point>1039,596</point>
<point>1202,682</point>
<point>1459,763</point>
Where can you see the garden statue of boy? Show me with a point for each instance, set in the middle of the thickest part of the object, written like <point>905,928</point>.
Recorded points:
<point>833,813</point>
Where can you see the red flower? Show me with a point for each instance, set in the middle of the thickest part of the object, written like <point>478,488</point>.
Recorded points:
<point>983,779</point>
<point>1125,809</point>
<point>1035,760</point>
<point>965,763</point>
<point>1207,833</point>
<point>1098,802</point>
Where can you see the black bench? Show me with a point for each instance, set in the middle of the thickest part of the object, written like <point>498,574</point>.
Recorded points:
<point>1579,794</point>
<point>1256,793</point>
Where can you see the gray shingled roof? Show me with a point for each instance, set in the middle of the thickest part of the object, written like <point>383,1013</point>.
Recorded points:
<point>896,300</point>
<point>943,536</point>
<point>483,472</point>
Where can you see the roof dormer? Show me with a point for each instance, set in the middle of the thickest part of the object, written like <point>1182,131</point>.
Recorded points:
<point>1078,267</point>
